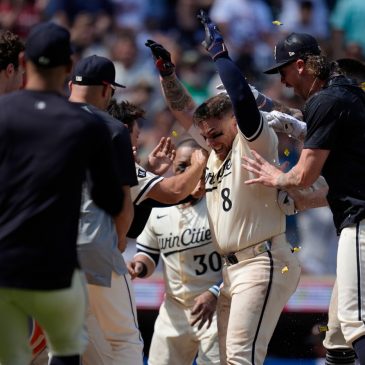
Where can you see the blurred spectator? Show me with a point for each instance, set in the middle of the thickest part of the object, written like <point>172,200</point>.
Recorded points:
<point>195,70</point>
<point>246,26</point>
<point>19,16</point>
<point>305,16</point>
<point>189,33</point>
<point>65,11</point>
<point>348,30</point>
<point>133,68</point>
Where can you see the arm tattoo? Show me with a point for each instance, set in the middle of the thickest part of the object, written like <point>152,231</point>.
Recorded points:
<point>176,95</point>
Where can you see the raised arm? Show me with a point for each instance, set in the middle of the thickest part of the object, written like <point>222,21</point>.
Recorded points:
<point>243,101</point>
<point>178,99</point>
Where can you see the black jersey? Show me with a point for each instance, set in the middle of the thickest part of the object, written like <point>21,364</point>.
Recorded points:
<point>335,118</point>
<point>46,146</point>
<point>122,145</point>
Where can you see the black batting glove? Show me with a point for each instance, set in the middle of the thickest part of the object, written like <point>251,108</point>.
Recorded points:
<point>213,42</point>
<point>162,58</point>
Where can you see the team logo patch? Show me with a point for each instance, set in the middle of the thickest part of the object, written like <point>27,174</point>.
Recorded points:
<point>141,173</point>
<point>291,54</point>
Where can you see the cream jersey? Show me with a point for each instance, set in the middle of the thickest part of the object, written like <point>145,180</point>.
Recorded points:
<point>182,238</point>
<point>146,181</point>
<point>241,215</point>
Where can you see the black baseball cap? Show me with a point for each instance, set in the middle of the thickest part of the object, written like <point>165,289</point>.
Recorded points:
<point>48,45</point>
<point>94,70</point>
<point>293,47</point>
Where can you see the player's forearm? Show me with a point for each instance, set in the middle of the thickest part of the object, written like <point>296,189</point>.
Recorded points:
<point>178,100</point>
<point>177,188</point>
<point>243,102</point>
<point>313,197</point>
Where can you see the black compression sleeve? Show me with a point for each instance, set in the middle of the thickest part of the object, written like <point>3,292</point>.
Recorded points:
<point>244,104</point>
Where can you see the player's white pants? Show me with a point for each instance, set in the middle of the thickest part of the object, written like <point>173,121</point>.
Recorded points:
<point>176,342</point>
<point>253,296</point>
<point>61,313</point>
<point>114,337</point>
<point>347,308</point>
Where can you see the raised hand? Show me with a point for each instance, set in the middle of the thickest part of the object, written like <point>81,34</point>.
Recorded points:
<point>162,156</point>
<point>162,58</point>
<point>213,41</point>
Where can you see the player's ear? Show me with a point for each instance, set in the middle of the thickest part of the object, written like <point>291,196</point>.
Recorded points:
<point>300,64</point>
<point>70,86</point>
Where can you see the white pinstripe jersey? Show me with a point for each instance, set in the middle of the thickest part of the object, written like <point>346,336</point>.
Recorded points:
<point>182,238</point>
<point>241,215</point>
<point>146,181</point>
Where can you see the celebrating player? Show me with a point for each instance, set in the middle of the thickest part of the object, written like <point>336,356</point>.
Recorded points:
<point>247,225</point>
<point>335,114</point>
<point>180,235</point>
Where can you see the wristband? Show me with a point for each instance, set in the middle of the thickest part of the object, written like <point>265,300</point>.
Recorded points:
<point>214,290</point>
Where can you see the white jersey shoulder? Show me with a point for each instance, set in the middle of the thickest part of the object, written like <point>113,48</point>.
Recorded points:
<point>146,181</point>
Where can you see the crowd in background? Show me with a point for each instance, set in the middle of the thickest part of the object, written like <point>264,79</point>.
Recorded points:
<point>118,30</point>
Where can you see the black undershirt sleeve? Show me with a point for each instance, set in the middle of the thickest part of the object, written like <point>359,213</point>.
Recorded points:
<point>244,104</point>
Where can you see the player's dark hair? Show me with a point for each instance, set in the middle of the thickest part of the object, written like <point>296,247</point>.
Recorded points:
<point>126,112</point>
<point>215,107</point>
<point>10,47</point>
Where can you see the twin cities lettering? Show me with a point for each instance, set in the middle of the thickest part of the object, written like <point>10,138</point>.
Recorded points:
<point>189,238</point>
<point>212,180</point>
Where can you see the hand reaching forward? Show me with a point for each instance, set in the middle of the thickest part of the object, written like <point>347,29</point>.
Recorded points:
<point>267,174</point>
<point>162,156</point>
<point>204,308</point>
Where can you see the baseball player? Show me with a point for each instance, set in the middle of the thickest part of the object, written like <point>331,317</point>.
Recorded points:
<point>47,146</point>
<point>247,225</point>
<point>334,112</point>
<point>180,236</point>
<point>11,79</point>
<point>114,336</point>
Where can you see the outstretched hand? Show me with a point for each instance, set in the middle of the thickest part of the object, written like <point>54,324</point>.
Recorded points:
<point>162,58</point>
<point>162,156</point>
<point>213,41</point>
<point>267,174</point>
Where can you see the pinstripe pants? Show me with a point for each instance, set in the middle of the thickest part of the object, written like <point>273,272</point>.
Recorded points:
<point>253,296</point>
<point>347,307</point>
